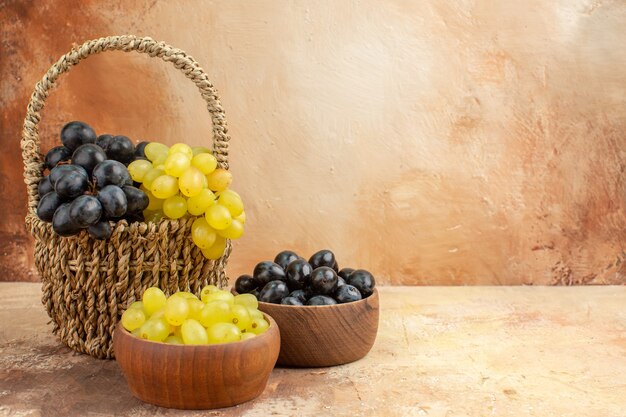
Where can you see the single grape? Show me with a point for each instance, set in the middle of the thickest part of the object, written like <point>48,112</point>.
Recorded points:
<point>113,201</point>
<point>111,173</point>
<point>88,156</point>
<point>152,216</point>
<point>174,340</point>
<point>219,296</point>
<point>85,210</point>
<point>273,292</point>
<point>246,300</point>
<point>62,223</point>
<point>197,205</point>
<point>138,169</point>
<point>176,164</point>
<point>232,201</point>
<point>195,306</point>
<point>323,258</point>
<point>255,313</point>
<point>223,333</point>
<point>120,149</point>
<point>258,326</point>
<point>266,271</point>
<point>133,318</point>
<point>48,204</point>
<point>347,294</point>
<point>205,162</point>
<point>241,218</point>
<point>291,301</point>
<point>77,133</point>
<point>301,295</point>
<point>321,300</point>
<point>140,150</point>
<point>100,230</point>
<point>323,280</point>
<point>232,232</point>
<point>136,304</point>
<point>150,176</point>
<point>340,281</point>
<point>345,272</point>
<point>60,170</point>
<point>176,310</point>
<point>247,335</point>
<point>191,182</point>
<point>219,180</point>
<point>244,284</point>
<point>153,299</point>
<point>155,329</point>
<point>71,185</point>
<point>199,149</point>
<point>193,333</point>
<point>185,294</point>
<point>175,207</point>
<point>164,187</point>
<point>363,281</point>
<point>285,257</point>
<point>181,148</point>
<point>298,274</point>
<point>44,186</point>
<point>56,155</point>
<point>208,289</point>
<point>202,234</point>
<point>136,199</point>
<point>218,217</point>
<point>103,141</point>
<point>216,251</point>
<point>241,317</point>
<point>154,149</point>
<point>215,312</point>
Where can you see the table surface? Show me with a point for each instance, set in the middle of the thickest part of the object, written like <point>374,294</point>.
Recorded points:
<point>440,351</point>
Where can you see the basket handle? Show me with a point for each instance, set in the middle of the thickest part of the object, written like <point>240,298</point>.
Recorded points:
<point>33,163</point>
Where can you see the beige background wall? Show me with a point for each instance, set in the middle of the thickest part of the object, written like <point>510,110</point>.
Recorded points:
<point>433,142</point>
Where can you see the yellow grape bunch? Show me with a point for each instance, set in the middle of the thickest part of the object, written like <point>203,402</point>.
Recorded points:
<point>181,181</point>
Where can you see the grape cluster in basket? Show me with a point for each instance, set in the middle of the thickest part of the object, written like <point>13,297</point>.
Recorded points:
<point>217,317</point>
<point>89,184</point>
<point>183,181</point>
<point>291,280</point>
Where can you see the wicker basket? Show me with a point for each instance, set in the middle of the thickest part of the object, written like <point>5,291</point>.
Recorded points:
<point>88,283</point>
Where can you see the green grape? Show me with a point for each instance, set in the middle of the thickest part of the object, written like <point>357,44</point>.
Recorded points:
<point>191,182</point>
<point>137,169</point>
<point>197,205</point>
<point>164,187</point>
<point>153,299</point>
<point>254,312</point>
<point>195,307</point>
<point>205,162</point>
<point>184,294</point>
<point>154,149</point>
<point>217,250</point>
<point>202,234</point>
<point>219,180</point>
<point>181,148</point>
<point>223,333</point>
<point>155,329</point>
<point>137,332</point>
<point>208,289</point>
<point>159,162</point>
<point>258,326</point>
<point>176,164</point>
<point>154,203</point>
<point>219,296</point>
<point>150,176</point>
<point>175,207</point>
<point>232,232</point>
<point>174,340</point>
<point>246,300</point>
<point>152,216</point>
<point>232,201</point>
<point>133,318</point>
<point>159,313</point>
<point>215,312</point>
<point>136,304</point>
<point>199,149</point>
<point>247,335</point>
<point>193,333</point>
<point>241,317</point>
<point>176,310</point>
<point>218,217</point>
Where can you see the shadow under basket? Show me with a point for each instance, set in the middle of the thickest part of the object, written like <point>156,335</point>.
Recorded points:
<point>87,283</point>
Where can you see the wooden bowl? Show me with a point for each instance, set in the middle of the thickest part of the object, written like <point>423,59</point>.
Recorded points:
<point>197,376</point>
<point>314,336</point>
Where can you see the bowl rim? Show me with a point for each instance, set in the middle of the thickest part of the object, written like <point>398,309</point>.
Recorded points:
<point>265,334</point>
<point>308,307</point>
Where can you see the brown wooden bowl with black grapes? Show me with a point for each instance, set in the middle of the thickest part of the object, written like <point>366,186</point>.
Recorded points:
<point>326,316</point>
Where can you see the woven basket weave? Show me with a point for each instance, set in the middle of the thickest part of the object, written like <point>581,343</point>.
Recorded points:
<point>88,283</point>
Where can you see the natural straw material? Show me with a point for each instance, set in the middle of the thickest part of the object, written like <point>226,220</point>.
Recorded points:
<point>87,284</point>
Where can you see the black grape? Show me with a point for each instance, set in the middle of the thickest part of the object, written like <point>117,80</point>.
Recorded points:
<point>62,223</point>
<point>245,284</point>
<point>321,300</point>
<point>113,201</point>
<point>44,186</point>
<point>298,274</point>
<point>111,173</point>
<point>71,185</point>
<point>56,155</point>
<point>88,156</point>
<point>345,272</point>
<point>77,133</point>
<point>48,204</point>
<point>285,257</point>
<point>323,280</point>
<point>274,292</point>
<point>136,199</point>
<point>103,141</point>
<point>100,230</point>
<point>85,211</point>
<point>363,281</point>
<point>140,150</point>
<point>292,301</point>
<point>266,271</point>
<point>323,258</point>
<point>60,170</point>
<point>121,149</point>
<point>301,295</point>
<point>347,294</point>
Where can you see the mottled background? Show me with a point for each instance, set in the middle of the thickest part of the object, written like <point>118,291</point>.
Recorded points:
<point>433,142</point>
